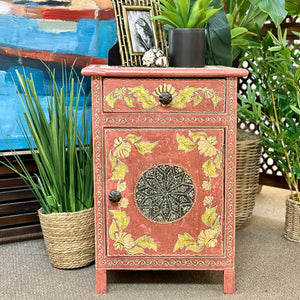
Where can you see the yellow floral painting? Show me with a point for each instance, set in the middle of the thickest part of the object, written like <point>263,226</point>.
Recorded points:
<point>207,238</point>
<point>124,241</point>
<point>206,146</point>
<point>149,100</point>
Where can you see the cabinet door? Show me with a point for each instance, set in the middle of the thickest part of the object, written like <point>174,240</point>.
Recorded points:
<point>172,191</point>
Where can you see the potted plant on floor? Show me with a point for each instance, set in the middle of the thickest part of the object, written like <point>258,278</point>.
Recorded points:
<point>276,75</point>
<point>60,142</point>
<point>187,33</point>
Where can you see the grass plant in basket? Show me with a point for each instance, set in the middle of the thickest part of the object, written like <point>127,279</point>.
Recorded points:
<point>60,141</point>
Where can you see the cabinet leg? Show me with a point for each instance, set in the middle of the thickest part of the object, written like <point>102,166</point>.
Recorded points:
<point>101,282</point>
<point>229,281</point>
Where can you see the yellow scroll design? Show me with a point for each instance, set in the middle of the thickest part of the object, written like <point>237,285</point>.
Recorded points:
<point>122,239</point>
<point>207,238</point>
<point>206,147</point>
<point>148,100</point>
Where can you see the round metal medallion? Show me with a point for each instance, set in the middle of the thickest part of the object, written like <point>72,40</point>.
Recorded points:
<point>165,193</point>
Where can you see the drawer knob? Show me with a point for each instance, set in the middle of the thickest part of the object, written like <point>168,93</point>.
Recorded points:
<point>114,196</point>
<point>165,98</point>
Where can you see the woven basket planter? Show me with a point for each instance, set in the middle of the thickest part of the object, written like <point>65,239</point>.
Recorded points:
<point>292,220</point>
<point>69,238</point>
<point>247,175</point>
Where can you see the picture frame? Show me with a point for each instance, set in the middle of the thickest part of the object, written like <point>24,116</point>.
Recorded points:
<point>136,31</point>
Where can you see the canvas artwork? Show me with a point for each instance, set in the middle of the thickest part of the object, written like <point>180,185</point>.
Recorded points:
<point>56,32</point>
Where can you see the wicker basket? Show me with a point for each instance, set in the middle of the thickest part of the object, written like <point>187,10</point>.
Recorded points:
<point>292,220</point>
<point>247,175</point>
<point>69,238</point>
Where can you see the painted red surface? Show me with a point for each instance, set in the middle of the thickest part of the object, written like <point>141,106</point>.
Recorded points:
<point>75,15</point>
<point>161,124</point>
<point>209,72</point>
<point>67,14</point>
<point>46,56</point>
<point>218,85</point>
<point>166,152</point>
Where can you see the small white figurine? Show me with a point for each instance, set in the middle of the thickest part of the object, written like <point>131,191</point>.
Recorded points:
<point>155,58</point>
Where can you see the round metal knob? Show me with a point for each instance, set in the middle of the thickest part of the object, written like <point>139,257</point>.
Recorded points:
<point>165,98</point>
<point>114,196</point>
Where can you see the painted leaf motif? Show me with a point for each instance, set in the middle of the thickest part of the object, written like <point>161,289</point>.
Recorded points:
<point>216,99</point>
<point>120,171</point>
<point>112,230</point>
<point>132,138</point>
<point>112,160</point>
<point>145,147</point>
<point>135,250</point>
<point>129,101</point>
<point>196,135</point>
<point>121,187</point>
<point>183,240</point>
<point>142,95</point>
<point>122,219</point>
<point>185,143</point>
<point>218,159</point>
<point>209,217</point>
<point>197,99</point>
<point>194,248</point>
<point>183,97</point>
<point>110,99</point>
<point>146,242</point>
<point>210,169</point>
<point>217,225</point>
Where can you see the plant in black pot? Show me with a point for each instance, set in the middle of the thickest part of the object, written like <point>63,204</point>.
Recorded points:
<point>187,35</point>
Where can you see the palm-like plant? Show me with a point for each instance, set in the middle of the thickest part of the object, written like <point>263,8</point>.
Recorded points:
<point>62,144</point>
<point>185,13</point>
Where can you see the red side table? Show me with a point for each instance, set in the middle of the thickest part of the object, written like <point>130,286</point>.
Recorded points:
<point>164,169</point>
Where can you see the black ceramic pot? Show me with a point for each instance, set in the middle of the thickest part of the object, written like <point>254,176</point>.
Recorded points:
<point>187,47</point>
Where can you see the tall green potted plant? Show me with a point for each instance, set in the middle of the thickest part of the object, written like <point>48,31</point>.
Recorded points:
<point>60,142</point>
<point>187,33</point>
<point>275,70</point>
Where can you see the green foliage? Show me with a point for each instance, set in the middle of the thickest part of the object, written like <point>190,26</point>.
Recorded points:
<point>64,182</point>
<point>293,7</point>
<point>275,70</point>
<point>184,14</point>
<point>245,16</point>
<point>218,39</point>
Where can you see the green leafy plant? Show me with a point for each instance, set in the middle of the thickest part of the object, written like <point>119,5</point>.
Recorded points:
<point>245,16</point>
<point>62,144</point>
<point>275,70</point>
<point>184,13</point>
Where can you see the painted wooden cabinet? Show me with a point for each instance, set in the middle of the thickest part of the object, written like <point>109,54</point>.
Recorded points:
<point>164,169</point>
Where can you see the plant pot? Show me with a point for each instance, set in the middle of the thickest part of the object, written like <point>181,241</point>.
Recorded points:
<point>187,47</point>
<point>247,175</point>
<point>292,220</point>
<point>69,238</point>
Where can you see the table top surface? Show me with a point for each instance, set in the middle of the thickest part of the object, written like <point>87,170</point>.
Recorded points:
<point>118,71</point>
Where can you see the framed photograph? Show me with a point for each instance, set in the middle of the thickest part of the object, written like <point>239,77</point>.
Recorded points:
<point>139,29</point>
<point>137,32</point>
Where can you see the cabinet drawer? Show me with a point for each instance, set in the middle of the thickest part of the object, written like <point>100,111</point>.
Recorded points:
<point>188,96</point>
